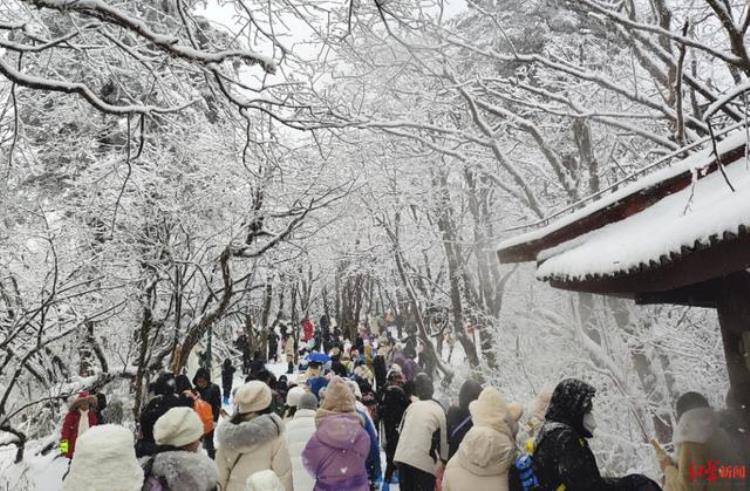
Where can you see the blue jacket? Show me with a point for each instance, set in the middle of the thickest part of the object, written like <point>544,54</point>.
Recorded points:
<point>374,472</point>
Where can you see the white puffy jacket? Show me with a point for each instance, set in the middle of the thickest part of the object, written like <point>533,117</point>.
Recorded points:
<point>299,429</point>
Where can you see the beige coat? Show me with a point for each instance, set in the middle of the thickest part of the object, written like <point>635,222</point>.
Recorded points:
<point>486,453</point>
<point>249,447</point>
<point>699,440</point>
<point>421,420</point>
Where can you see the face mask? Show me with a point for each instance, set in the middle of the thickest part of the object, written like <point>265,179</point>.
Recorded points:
<point>589,423</point>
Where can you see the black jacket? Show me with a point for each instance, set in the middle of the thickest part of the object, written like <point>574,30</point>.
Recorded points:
<point>155,409</point>
<point>210,393</point>
<point>393,404</point>
<point>227,376</point>
<point>458,418</point>
<point>562,454</point>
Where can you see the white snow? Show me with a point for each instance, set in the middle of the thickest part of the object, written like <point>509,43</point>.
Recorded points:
<point>694,161</point>
<point>659,230</point>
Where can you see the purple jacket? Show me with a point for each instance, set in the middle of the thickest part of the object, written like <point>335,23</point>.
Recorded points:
<point>336,454</point>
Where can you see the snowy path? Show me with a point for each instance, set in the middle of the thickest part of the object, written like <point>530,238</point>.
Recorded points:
<point>44,473</point>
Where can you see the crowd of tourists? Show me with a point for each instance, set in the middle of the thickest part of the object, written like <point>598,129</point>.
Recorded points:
<point>323,425</point>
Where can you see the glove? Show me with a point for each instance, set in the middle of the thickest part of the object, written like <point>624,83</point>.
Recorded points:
<point>63,447</point>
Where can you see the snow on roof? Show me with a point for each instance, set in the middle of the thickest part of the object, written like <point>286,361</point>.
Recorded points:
<point>692,162</point>
<point>707,208</point>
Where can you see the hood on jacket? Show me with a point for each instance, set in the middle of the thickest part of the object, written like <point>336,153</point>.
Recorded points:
<point>485,451</point>
<point>202,373</point>
<point>491,410</point>
<point>339,431</point>
<point>571,400</point>
<point>242,437</point>
<point>163,385</point>
<point>186,470</point>
<point>469,391</point>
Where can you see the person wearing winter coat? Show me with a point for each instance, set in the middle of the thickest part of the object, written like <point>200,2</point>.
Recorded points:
<point>374,471</point>
<point>308,330</point>
<point>210,393</point>
<point>380,368</point>
<point>562,455</point>
<point>105,461</point>
<point>486,453</point>
<point>459,419</point>
<point>699,440</point>
<point>177,464</point>
<point>227,377</point>
<point>423,444</point>
<point>273,346</point>
<point>393,404</point>
<point>80,417</point>
<point>335,455</point>
<point>290,351</point>
<point>253,440</point>
<point>299,430</point>
<point>165,398</point>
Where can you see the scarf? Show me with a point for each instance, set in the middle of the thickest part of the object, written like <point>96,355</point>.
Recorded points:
<point>83,422</point>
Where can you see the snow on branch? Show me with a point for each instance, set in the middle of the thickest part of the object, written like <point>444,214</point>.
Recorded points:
<point>167,43</point>
<point>33,82</point>
<point>725,99</point>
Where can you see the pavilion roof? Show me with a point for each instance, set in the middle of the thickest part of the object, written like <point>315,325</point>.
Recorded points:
<point>681,225</point>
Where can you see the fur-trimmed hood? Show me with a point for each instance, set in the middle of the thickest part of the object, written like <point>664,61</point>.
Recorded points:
<point>244,436</point>
<point>186,470</point>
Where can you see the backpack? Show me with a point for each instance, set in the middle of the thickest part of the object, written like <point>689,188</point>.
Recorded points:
<point>205,413</point>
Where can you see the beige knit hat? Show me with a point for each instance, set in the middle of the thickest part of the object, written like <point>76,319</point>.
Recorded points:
<point>252,397</point>
<point>178,427</point>
<point>338,397</point>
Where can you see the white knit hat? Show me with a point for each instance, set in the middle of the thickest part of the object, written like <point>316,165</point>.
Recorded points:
<point>104,459</point>
<point>178,427</point>
<point>294,395</point>
<point>266,480</point>
<point>252,397</point>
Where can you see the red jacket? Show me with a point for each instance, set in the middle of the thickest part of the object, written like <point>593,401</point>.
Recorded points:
<point>308,330</point>
<point>70,428</point>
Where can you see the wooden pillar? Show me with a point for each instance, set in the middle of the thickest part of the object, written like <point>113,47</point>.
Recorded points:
<point>733,306</point>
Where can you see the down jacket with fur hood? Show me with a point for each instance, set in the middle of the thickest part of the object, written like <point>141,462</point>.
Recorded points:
<point>181,470</point>
<point>486,453</point>
<point>251,446</point>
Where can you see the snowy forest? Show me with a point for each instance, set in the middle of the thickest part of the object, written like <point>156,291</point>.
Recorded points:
<point>177,173</point>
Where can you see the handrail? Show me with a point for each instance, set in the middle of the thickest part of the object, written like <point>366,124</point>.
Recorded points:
<point>614,187</point>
